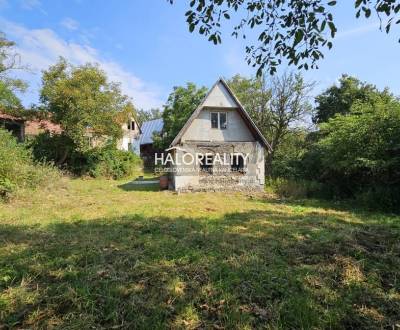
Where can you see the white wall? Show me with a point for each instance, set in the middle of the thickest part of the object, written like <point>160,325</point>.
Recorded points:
<point>219,97</point>
<point>236,131</point>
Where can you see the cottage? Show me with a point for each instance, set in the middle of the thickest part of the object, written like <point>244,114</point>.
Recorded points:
<point>219,147</point>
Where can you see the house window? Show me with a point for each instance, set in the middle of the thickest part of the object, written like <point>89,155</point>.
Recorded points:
<point>206,164</point>
<point>214,119</point>
<point>237,164</point>
<point>131,125</point>
<point>219,120</point>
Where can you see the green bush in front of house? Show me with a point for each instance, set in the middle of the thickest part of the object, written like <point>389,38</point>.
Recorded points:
<point>18,170</point>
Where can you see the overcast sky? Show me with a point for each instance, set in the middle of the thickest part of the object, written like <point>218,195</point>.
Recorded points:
<point>146,46</point>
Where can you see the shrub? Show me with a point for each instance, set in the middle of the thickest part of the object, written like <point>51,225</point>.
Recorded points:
<point>17,168</point>
<point>380,198</point>
<point>296,189</point>
<point>105,161</point>
<point>109,162</point>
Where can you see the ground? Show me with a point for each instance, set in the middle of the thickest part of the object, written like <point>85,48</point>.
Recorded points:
<point>107,254</point>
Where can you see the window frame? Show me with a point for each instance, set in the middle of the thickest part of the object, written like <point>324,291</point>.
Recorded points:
<point>211,120</point>
<point>218,113</point>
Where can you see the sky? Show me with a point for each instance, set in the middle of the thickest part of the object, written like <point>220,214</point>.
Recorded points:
<point>146,46</point>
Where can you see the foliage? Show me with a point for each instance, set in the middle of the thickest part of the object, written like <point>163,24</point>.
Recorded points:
<point>274,106</point>
<point>255,95</point>
<point>358,154</point>
<point>50,147</point>
<point>9,61</point>
<point>339,99</point>
<point>144,115</point>
<point>17,169</point>
<point>100,254</point>
<point>104,161</point>
<point>109,162</point>
<point>288,158</point>
<point>181,103</point>
<point>287,31</point>
<point>82,101</point>
<point>296,188</point>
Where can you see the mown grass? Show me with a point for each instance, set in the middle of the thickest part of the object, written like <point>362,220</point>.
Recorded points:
<point>107,254</point>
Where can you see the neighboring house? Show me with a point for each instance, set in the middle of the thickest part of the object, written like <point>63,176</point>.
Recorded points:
<point>35,127</point>
<point>227,147</point>
<point>23,129</point>
<point>13,124</point>
<point>131,135</point>
<point>147,150</point>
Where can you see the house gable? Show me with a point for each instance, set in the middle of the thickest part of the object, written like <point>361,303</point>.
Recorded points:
<point>219,97</point>
<point>240,127</point>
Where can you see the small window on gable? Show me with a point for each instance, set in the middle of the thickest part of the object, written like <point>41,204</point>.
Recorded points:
<point>206,164</point>
<point>214,119</point>
<point>219,120</point>
<point>237,164</point>
<point>131,125</point>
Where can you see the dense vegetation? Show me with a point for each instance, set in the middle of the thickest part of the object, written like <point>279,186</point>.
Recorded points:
<point>84,104</point>
<point>18,169</point>
<point>355,154</point>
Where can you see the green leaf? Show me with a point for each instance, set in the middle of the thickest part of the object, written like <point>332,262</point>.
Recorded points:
<point>298,37</point>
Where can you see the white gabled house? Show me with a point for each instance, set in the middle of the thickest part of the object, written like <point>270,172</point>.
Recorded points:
<point>219,147</point>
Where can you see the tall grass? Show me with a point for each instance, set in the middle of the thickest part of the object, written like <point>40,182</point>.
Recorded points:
<point>18,170</point>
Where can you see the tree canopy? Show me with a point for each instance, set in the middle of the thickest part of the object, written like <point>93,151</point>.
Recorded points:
<point>275,105</point>
<point>180,105</point>
<point>81,99</point>
<point>9,61</point>
<point>146,115</point>
<point>297,31</point>
<point>339,99</point>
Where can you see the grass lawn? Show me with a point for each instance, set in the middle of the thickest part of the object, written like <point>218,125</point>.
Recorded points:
<point>106,254</point>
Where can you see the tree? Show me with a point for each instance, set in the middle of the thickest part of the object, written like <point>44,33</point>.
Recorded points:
<point>339,99</point>
<point>255,95</point>
<point>275,106</point>
<point>360,151</point>
<point>180,105</point>
<point>146,115</point>
<point>9,61</point>
<point>295,30</point>
<point>81,99</point>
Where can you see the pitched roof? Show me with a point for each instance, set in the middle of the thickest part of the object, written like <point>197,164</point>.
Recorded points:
<point>247,119</point>
<point>148,128</point>
<point>35,127</point>
<point>10,117</point>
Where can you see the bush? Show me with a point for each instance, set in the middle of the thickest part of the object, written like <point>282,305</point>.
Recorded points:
<point>380,198</point>
<point>17,168</point>
<point>296,189</point>
<point>105,161</point>
<point>109,162</point>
